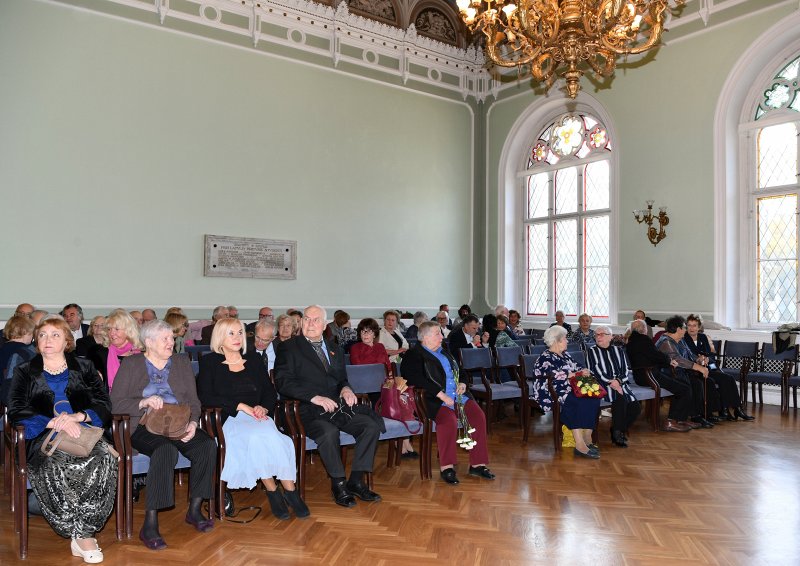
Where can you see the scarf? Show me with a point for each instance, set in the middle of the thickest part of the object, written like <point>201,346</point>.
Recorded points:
<point>113,360</point>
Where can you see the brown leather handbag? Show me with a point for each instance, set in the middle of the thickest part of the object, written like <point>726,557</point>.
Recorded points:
<point>170,420</point>
<point>81,446</point>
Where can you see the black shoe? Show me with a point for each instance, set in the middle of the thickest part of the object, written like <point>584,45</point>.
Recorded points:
<point>481,472</point>
<point>590,454</point>
<point>738,412</point>
<point>342,496</point>
<point>360,490</point>
<point>594,447</point>
<point>713,419</point>
<point>449,476</point>
<point>277,505</point>
<point>726,415</point>
<point>618,438</point>
<point>412,455</point>
<point>296,503</point>
<point>702,422</point>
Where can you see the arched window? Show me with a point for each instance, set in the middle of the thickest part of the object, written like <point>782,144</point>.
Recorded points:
<point>566,220</point>
<point>773,188</point>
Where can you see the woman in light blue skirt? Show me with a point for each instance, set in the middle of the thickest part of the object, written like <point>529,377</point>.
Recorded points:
<point>254,447</point>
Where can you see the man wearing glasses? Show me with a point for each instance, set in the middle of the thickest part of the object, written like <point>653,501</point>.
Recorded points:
<point>265,314</point>
<point>25,309</point>
<point>312,370</point>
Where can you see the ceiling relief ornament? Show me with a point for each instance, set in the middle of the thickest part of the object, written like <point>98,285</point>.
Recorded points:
<point>381,9</point>
<point>435,24</point>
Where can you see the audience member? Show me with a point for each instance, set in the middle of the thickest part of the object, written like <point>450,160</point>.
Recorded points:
<point>196,329</point>
<point>644,355</point>
<point>312,370</point>
<point>670,343</point>
<point>466,336</point>
<point>340,331</point>
<point>444,323</point>
<point>703,352</point>
<point>97,329</point>
<point>609,366</point>
<point>560,322</point>
<point>120,341</point>
<point>579,414</point>
<point>24,309</point>
<point>73,314</point>
<point>147,382</point>
<point>265,313</point>
<point>263,336</point>
<point>584,334</point>
<point>514,323</point>
<point>180,326</point>
<point>502,338</point>
<point>297,315</point>
<point>391,338</point>
<point>286,327</point>
<point>444,307</point>
<point>219,313</point>
<point>255,450</point>
<point>463,312</point>
<point>148,315</point>
<point>137,316</point>
<point>649,322</point>
<point>233,312</point>
<point>17,349</point>
<point>419,318</point>
<point>429,367</point>
<point>38,315</point>
<point>76,494</point>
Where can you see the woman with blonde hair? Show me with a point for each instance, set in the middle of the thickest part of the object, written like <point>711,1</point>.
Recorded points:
<point>180,325</point>
<point>287,327</point>
<point>97,330</point>
<point>121,340</point>
<point>255,450</point>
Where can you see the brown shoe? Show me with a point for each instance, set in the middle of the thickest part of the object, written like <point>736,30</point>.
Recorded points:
<point>690,424</point>
<point>674,426</point>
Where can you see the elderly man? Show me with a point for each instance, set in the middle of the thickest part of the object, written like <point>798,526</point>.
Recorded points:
<point>148,315</point>
<point>311,370</point>
<point>219,313</point>
<point>137,316</point>
<point>24,309</point>
<point>263,335</point>
<point>467,337</point>
<point>265,314</point>
<point>73,315</point>
<point>443,319</point>
<point>446,308</point>
<point>584,333</point>
<point>643,354</point>
<point>430,368</point>
<point>233,312</point>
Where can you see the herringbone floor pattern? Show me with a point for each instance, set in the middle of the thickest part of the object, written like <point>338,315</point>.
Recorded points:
<point>729,496</point>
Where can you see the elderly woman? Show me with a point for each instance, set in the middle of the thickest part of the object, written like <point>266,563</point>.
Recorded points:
<point>584,334</point>
<point>430,367</point>
<point>255,450</point>
<point>577,413</point>
<point>610,367</point>
<point>97,329</point>
<point>286,327</point>
<point>19,334</point>
<point>120,341</point>
<point>560,322</point>
<point>514,323</point>
<point>180,326</point>
<point>419,318</point>
<point>443,319</point>
<point>391,338</point>
<point>147,382</point>
<point>76,494</point>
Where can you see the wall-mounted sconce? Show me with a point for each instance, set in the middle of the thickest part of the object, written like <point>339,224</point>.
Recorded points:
<point>646,216</point>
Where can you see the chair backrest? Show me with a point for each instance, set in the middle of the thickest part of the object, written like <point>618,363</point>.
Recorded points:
<point>772,362</point>
<point>537,333</point>
<point>717,346</point>
<point>537,350</point>
<point>574,347</point>
<point>527,361</point>
<point>579,357</point>
<point>476,358</point>
<point>508,357</point>
<point>196,351</point>
<point>736,352</point>
<point>523,343</point>
<point>367,378</point>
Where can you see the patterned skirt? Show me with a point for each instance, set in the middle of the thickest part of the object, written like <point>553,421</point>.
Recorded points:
<point>76,494</point>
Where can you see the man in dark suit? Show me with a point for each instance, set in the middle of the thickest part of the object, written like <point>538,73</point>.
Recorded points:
<point>219,313</point>
<point>466,336</point>
<point>311,370</point>
<point>265,313</point>
<point>73,314</point>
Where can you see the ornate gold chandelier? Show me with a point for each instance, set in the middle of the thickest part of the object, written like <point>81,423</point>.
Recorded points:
<point>550,35</point>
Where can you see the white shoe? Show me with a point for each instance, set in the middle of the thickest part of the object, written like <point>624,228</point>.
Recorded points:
<point>94,556</point>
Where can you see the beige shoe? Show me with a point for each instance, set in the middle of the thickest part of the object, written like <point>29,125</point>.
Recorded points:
<point>94,556</point>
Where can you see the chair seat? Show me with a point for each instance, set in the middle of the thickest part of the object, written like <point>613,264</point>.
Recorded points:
<point>140,463</point>
<point>396,429</point>
<point>766,377</point>
<point>505,391</point>
<point>344,440</point>
<point>643,393</point>
<point>733,372</point>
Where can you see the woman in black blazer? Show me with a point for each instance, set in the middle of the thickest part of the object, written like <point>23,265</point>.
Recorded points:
<point>428,366</point>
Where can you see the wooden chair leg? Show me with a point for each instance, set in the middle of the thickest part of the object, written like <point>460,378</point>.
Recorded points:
<point>391,457</point>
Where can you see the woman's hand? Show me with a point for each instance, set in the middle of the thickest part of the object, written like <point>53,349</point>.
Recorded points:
<point>68,423</point>
<point>446,399</point>
<point>616,386</point>
<point>191,429</point>
<point>259,413</point>
<point>153,402</point>
<point>461,389</point>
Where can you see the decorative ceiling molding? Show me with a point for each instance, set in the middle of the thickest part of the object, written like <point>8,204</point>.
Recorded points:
<point>334,35</point>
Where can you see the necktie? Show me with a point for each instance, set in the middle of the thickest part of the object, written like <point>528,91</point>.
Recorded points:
<point>265,357</point>
<point>320,354</point>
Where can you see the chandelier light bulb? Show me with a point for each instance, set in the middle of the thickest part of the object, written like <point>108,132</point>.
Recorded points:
<point>470,14</point>
<point>509,9</point>
<point>462,4</point>
<point>637,20</point>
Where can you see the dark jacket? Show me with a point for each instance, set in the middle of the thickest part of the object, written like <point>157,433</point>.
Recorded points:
<point>299,374</point>
<point>84,345</point>
<point>423,370</point>
<point>455,342</point>
<point>217,387</point>
<point>642,353</point>
<point>31,395</point>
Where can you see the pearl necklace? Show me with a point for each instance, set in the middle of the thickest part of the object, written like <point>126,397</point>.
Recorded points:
<point>233,362</point>
<point>56,370</point>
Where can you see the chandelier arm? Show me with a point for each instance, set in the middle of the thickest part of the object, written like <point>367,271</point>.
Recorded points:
<point>656,21</point>
<point>607,68</point>
<point>493,51</point>
<point>547,14</point>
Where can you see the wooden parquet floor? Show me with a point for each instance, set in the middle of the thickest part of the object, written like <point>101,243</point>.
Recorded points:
<point>729,496</point>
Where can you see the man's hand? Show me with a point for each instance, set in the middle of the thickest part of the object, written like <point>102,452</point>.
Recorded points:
<point>348,396</point>
<point>616,386</point>
<point>446,399</point>
<point>328,404</point>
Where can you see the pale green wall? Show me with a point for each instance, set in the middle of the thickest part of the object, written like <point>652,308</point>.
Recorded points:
<point>121,145</point>
<point>663,114</point>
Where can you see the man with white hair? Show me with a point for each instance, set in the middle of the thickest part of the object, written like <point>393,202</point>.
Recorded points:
<point>312,371</point>
<point>219,313</point>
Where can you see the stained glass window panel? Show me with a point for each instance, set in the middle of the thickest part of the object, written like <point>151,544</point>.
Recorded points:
<point>566,181</point>
<point>537,195</point>
<point>777,156</point>
<point>789,72</point>
<point>596,186</point>
<point>596,265</point>
<point>777,258</point>
<point>537,269</point>
<point>565,234</point>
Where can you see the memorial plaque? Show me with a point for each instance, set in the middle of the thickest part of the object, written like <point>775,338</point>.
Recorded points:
<point>256,258</point>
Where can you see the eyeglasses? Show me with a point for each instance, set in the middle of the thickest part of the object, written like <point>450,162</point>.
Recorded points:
<point>315,320</point>
<point>367,331</point>
<point>602,334</point>
<point>266,316</point>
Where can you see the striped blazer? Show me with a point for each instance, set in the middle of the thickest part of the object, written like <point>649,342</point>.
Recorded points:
<point>608,364</point>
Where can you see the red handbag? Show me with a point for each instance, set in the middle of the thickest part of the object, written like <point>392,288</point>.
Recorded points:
<point>398,406</point>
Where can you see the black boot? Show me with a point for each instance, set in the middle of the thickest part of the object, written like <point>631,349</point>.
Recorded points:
<point>742,415</point>
<point>296,503</point>
<point>618,438</point>
<point>277,505</point>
